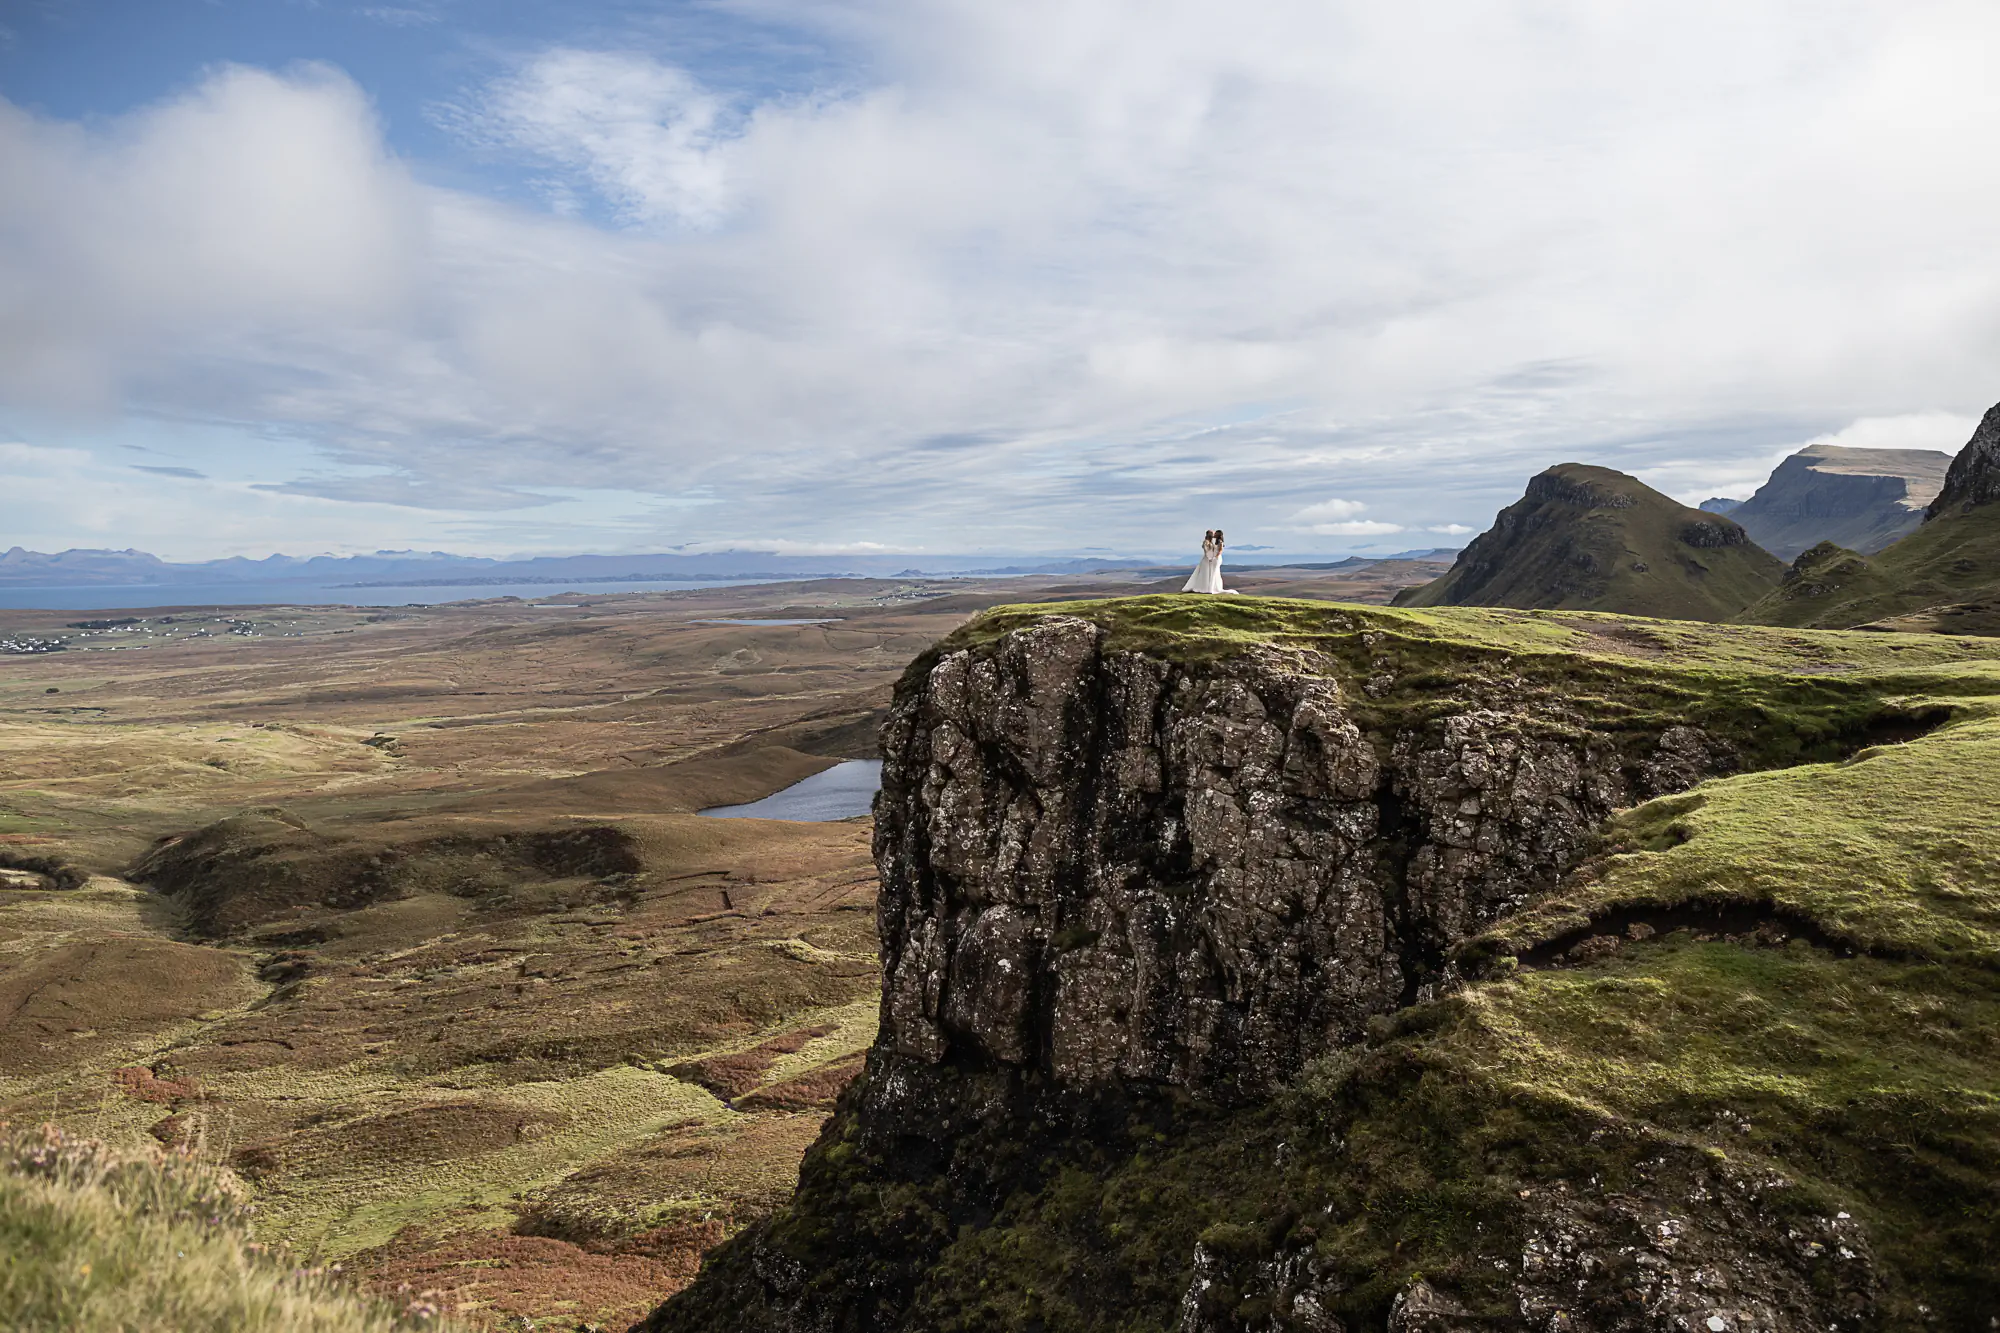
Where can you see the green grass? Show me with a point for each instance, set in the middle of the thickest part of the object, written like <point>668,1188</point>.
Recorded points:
<point>1893,851</point>
<point>1950,559</point>
<point>1858,1061</point>
<point>1778,696</point>
<point>1589,538</point>
<point>1189,628</point>
<point>339,1204</point>
<point>106,1242</point>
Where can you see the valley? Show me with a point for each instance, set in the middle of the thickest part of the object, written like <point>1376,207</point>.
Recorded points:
<point>406,916</point>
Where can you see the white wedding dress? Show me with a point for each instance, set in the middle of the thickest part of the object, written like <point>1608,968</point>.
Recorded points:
<point>1207,576</point>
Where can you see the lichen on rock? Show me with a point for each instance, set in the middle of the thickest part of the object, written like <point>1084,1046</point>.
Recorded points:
<point>1108,866</point>
<point>1174,1032</point>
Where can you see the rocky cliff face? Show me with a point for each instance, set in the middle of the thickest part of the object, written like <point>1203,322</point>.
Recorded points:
<point>1974,478</point>
<point>1131,898</point>
<point>1107,867</point>
<point>1862,499</point>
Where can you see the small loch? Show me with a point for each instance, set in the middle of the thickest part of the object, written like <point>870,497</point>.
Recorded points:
<point>841,792</point>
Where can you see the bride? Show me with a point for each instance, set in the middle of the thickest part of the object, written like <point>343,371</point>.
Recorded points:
<point>1207,576</point>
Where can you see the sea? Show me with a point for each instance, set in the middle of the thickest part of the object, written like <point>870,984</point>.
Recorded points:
<point>132,597</point>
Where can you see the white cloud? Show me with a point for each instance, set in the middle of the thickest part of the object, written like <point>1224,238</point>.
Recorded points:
<point>1946,432</point>
<point>1195,257</point>
<point>1327,510</point>
<point>645,135</point>
<point>1453,529</point>
<point>1336,518</point>
<point>1360,527</point>
<point>401,16</point>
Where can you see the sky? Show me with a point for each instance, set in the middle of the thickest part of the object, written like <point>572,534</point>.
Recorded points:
<point>1064,276</point>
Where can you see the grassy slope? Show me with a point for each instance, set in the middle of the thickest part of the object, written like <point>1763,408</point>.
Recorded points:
<point>1864,1070</point>
<point>1565,554</point>
<point>96,1240</point>
<point>1952,559</point>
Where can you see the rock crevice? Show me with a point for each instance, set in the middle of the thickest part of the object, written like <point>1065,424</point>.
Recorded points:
<point>1110,867</point>
<point>1142,906</point>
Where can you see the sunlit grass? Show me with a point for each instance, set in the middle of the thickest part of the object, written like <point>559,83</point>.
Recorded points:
<point>96,1240</point>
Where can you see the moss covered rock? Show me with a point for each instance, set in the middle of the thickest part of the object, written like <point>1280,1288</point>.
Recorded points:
<point>1261,965</point>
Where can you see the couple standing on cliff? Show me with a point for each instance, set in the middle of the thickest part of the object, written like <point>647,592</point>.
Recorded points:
<point>1207,576</point>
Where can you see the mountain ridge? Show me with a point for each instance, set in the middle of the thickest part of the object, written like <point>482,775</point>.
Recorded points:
<point>1943,577</point>
<point>1592,539</point>
<point>1862,499</point>
<point>101,568</point>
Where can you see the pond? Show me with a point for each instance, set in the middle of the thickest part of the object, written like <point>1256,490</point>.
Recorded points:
<point>735,620</point>
<point>841,792</point>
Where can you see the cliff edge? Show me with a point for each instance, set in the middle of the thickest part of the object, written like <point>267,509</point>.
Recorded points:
<point>1861,499</point>
<point>1268,966</point>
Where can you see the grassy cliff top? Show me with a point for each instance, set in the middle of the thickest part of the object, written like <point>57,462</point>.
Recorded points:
<point>1779,696</point>
<point>1789,977</point>
<point>1887,848</point>
<point>1186,627</point>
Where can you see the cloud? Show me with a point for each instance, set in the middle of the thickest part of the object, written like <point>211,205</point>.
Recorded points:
<point>171,471</point>
<point>1946,432</point>
<point>1336,518</point>
<point>1452,529</point>
<point>645,135</point>
<point>1360,527</point>
<point>418,492</point>
<point>401,16</point>
<point>1024,273</point>
<point>1327,510</point>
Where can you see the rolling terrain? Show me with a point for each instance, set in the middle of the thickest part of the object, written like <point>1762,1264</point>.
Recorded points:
<point>404,916</point>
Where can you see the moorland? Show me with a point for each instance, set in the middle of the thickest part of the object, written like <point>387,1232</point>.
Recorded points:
<point>404,918</point>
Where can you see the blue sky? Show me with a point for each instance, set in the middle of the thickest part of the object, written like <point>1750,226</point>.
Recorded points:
<point>946,275</point>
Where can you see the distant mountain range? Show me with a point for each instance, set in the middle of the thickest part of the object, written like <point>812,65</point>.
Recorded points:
<point>1943,577</point>
<point>428,569</point>
<point>416,569</point>
<point>1905,539</point>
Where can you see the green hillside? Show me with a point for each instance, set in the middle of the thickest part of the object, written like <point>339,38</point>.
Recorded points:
<point>1771,999</point>
<point>1590,539</point>
<point>1945,576</point>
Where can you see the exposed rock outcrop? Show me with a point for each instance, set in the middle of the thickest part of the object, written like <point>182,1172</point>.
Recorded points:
<point>1130,897</point>
<point>1111,867</point>
<point>1862,499</point>
<point>1974,477</point>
